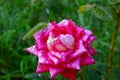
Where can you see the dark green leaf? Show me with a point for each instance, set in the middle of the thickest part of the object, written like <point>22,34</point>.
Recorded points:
<point>103,13</point>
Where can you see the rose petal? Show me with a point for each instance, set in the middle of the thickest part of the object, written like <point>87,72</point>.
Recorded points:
<point>33,50</point>
<point>59,57</point>
<point>91,50</point>
<point>55,29</point>
<point>56,54</point>
<point>65,26</point>
<point>42,57</point>
<point>86,59</point>
<point>55,70</point>
<point>74,64</point>
<point>78,33</point>
<point>79,50</point>
<point>62,56</point>
<point>63,23</point>
<point>87,34</point>
<point>41,38</point>
<point>67,40</point>
<point>41,68</point>
<point>53,58</point>
<point>69,73</point>
<point>90,39</point>
<point>59,47</point>
<point>71,28</point>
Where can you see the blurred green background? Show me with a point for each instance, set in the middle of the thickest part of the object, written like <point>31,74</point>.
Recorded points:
<point>17,17</point>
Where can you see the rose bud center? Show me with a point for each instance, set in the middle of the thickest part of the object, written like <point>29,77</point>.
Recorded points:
<point>60,43</point>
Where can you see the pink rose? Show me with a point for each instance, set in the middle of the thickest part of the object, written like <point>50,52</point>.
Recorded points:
<point>63,48</point>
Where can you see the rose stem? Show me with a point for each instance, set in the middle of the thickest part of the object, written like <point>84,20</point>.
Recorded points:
<point>113,41</point>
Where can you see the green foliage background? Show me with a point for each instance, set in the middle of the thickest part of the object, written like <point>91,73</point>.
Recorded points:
<point>17,17</point>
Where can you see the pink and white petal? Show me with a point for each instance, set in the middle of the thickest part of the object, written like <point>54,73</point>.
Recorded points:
<point>90,39</point>
<point>56,54</point>
<point>91,50</point>
<point>86,35</point>
<point>71,28</point>
<point>41,38</point>
<point>54,29</point>
<point>61,56</point>
<point>66,26</point>
<point>78,33</point>
<point>86,59</point>
<point>67,40</point>
<point>42,68</point>
<point>59,47</point>
<point>80,50</point>
<point>54,71</point>
<point>43,59</point>
<point>69,73</point>
<point>53,58</point>
<point>74,64</point>
<point>63,22</point>
<point>33,50</point>
<point>88,32</point>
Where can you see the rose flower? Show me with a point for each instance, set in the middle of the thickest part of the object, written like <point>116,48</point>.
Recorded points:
<point>63,48</point>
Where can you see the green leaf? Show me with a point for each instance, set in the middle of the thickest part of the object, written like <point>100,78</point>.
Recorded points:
<point>114,1</point>
<point>84,8</point>
<point>34,29</point>
<point>103,13</point>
